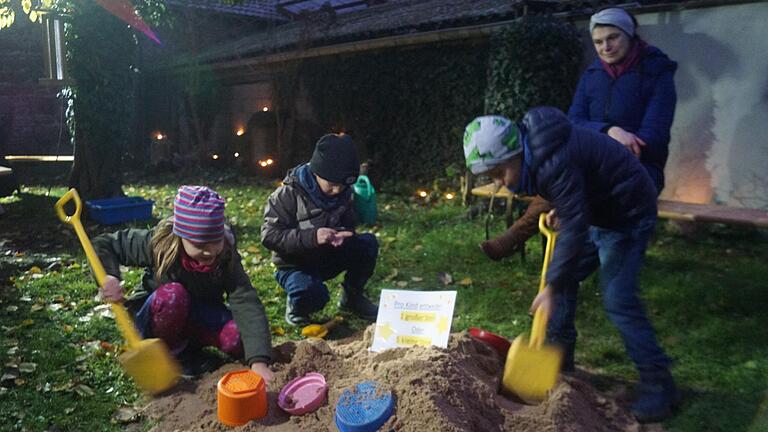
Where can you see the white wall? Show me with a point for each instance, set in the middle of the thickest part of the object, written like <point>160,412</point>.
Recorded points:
<point>719,147</point>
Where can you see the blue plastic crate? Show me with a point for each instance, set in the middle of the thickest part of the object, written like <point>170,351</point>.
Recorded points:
<point>112,211</point>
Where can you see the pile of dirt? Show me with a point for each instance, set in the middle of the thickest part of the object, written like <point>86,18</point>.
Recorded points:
<point>452,389</point>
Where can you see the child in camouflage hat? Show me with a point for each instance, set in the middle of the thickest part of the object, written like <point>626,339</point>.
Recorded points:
<point>605,212</point>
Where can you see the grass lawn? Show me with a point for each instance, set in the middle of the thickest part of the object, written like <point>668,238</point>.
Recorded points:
<point>706,295</point>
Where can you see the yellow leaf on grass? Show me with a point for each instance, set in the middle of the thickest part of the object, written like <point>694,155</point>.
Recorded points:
<point>253,249</point>
<point>27,322</point>
<point>278,331</point>
<point>34,270</point>
<point>465,282</point>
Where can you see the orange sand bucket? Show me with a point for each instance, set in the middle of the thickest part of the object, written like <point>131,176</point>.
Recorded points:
<point>241,397</point>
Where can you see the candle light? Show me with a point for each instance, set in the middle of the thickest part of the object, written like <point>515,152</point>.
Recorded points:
<point>240,131</point>
<point>449,196</point>
<point>159,136</point>
<point>215,156</point>
<point>422,193</point>
<point>237,155</point>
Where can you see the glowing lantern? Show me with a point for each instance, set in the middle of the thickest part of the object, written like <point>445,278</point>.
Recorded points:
<point>240,131</point>
<point>159,136</point>
<point>265,109</point>
<point>422,193</point>
<point>237,155</point>
<point>449,196</point>
<point>215,156</point>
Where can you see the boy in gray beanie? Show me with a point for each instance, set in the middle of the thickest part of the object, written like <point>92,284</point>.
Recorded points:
<point>309,227</point>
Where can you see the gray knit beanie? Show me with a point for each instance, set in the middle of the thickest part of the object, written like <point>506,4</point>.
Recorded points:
<point>616,17</point>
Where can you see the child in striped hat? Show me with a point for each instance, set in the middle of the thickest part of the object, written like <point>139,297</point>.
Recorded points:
<point>191,264</point>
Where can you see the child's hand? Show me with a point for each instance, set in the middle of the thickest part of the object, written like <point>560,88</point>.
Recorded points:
<point>112,290</point>
<point>543,300</point>
<point>332,237</point>
<point>263,370</point>
<point>552,221</point>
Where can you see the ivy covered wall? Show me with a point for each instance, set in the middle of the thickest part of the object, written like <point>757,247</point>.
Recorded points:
<point>406,108</point>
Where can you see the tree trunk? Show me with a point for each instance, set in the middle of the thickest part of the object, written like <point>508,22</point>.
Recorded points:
<point>96,172</point>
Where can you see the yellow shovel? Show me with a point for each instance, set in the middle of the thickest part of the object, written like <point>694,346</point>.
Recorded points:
<point>148,361</point>
<point>320,330</point>
<point>532,367</point>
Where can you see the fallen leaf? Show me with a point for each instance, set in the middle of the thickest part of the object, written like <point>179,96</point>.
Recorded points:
<point>20,381</point>
<point>278,331</point>
<point>402,284</point>
<point>84,390</point>
<point>465,282</point>
<point>106,346</point>
<point>9,375</point>
<point>69,410</point>
<point>27,367</point>
<point>12,308</point>
<point>68,328</point>
<point>417,279</point>
<point>27,322</point>
<point>26,299</point>
<point>34,270</point>
<point>391,275</point>
<point>55,307</point>
<point>37,307</point>
<point>126,415</point>
<point>12,351</point>
<point>37,276</point>
<point>418,248</point>
<point>445,278</point>
<point>253,249</point>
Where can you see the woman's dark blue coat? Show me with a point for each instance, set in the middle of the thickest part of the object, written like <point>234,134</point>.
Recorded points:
<point>590,179</point>
<point>641,101</point>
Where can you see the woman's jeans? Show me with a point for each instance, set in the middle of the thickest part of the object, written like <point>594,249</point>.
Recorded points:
<point>619,256</point>
<point>305,285</point>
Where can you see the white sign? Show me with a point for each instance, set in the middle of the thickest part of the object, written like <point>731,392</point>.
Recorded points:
<point>408,318</point>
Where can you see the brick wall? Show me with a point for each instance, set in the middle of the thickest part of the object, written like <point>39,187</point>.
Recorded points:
<point>30,113</point>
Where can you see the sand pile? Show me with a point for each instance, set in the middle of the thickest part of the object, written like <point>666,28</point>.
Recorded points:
<point>452,389</point>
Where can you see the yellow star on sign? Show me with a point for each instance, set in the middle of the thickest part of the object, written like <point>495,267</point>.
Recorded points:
<point>385,331</point>
<point>442,324</point>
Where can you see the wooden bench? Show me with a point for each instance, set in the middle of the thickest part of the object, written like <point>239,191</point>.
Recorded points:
<point>674,210</point>
<point>510,197</point>
<point>712,213</point>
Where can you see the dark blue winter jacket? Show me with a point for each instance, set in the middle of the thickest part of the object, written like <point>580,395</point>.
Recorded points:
<point>641,101</point>
<point>589,178</point>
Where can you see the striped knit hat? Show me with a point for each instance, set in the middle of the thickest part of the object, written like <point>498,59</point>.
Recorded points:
<point>198,214</point>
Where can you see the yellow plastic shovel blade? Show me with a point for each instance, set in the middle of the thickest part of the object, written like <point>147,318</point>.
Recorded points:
<point>530,373</point>
<point>151,365</point>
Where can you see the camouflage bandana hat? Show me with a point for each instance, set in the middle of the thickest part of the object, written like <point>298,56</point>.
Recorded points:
<point>490,141</point>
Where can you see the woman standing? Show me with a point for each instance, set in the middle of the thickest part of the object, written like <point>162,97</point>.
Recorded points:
<point>628,92</point>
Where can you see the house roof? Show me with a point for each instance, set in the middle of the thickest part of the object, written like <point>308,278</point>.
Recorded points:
<point>326,26</point>
<point>266,9</point>
<point>393,17</point>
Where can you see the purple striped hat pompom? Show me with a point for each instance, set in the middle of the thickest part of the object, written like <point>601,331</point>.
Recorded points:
<point>198,214</point>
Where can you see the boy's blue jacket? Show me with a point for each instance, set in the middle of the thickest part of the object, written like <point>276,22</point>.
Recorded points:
<point>641,101</point>
<point>589,178</point>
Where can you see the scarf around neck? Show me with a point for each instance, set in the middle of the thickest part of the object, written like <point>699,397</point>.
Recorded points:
<point>632,58</point>
<point>193,266</point>
<point>308,182</point>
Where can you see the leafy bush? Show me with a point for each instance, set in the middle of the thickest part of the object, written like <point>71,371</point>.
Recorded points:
<point>533,62</point>
<point>407,108</point>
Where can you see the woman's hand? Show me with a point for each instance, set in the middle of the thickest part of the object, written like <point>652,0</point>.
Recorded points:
<point>332,237</point>
<point>112,290</point>
<point>631,141</point>
<point>263,370</point>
